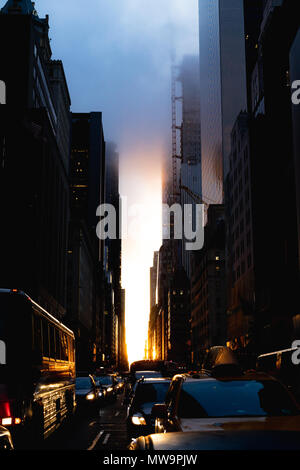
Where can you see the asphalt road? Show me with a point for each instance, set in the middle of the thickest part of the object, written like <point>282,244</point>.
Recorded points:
<point>97,428</point>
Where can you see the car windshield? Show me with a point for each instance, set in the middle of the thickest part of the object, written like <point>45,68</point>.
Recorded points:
<point>205,399</point>
<point>105,380</point>
<point>83,383</point>
<point>151,393</point>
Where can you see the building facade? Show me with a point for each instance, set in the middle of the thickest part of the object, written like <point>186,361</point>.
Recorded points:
<point>190,170</point>
<point>34,162</point>
<point>85,261</point>
<point>208,294</point>
<point>222,87</point>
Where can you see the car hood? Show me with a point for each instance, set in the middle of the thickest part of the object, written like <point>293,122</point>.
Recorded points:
<point>217,440</point>
<point>280,423</point>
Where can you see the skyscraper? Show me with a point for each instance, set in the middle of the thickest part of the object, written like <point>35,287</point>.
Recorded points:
<point>34,149</point>
<point>222,87</point>
<point>190,174</point>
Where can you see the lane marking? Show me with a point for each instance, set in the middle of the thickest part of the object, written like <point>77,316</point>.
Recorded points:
<point>105,440</point>
<point>117,413</point>
<point>95,440</point>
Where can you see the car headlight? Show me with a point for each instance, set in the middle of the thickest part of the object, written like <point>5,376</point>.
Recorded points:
<point>100,394</point>
<point>90,396</point>
<point>110,389</point>
<point>138,420</point>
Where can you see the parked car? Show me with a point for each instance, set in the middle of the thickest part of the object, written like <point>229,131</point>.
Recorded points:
<point>120,384</point>
<point>218,441</point>
<point>87,392</point>
<point>145,394</point>
<point>109,383</point>
<point>249,401</point>
<point>5,439</point>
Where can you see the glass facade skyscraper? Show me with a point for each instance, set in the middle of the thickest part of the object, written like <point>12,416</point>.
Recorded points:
<point>222,88</point>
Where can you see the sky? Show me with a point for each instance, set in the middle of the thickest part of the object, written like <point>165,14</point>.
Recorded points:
<point>117,59</point>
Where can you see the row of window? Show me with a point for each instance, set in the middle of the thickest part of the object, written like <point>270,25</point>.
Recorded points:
<point>241,269</point>
<point>50,342</point>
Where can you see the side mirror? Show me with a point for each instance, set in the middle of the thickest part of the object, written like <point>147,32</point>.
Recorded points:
<point>159,411</point>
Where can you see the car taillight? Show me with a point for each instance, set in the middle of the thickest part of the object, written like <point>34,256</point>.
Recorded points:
<point>6,416</point>
<point>5,413</point>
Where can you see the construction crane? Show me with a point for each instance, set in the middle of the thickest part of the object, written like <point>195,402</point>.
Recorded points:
<point>194,196</point>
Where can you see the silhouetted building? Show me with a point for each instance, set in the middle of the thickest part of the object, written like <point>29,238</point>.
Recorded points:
<point>208,293</point>
<point>239,237</point>
<point>262,188</point>
<point>113,323</point>
<point>154,281</point>
<point>34,154</point>
<point>85,261</point>
<point>178,319</point>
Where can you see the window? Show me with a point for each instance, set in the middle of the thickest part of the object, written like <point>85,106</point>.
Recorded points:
<point>37,338</point>
<point>249,261</point>
<point>64,347</point>
<point>57,341</point>
<point>52,342</point>
<point>2,92</point>
<point>45,339</point>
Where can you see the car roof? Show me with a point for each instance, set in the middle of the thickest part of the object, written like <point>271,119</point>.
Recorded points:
<point>208,378</point>
<point>147,372</point>
<point>155,380</point>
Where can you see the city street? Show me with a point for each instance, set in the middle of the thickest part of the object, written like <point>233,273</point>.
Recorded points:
<point>99,429</point>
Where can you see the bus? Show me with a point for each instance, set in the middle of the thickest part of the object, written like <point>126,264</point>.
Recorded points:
<point>37,367</point>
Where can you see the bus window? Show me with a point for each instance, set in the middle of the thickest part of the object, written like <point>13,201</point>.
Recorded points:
<point>37,338</point>
<point>57,341</point>
<point>71,349</point>
<point>52,342</point>
<point>64,346</point>
<point>45,339</point>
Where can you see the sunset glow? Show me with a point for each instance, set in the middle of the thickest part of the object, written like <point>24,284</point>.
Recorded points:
<point>141,188</point>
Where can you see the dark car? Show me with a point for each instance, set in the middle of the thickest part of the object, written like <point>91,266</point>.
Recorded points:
<point>144,395</point>
<point>87,392</point>
<point>147,374</point>
<point>217,441</point>
<point>5,439</point>
<point>120,384</point>
<point>109,383</point>
<point>246,401</point>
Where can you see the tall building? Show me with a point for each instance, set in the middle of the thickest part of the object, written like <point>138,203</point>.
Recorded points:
<point>85,261</point>
<point>222,87</point>
<point>34,149</point>
<point>154,281</point>
<point>190,172</point>
<point>262,246</point>
<point>208,320</point>
<point>276,243</point>
<point>239,237</point>
<point>112,319</point>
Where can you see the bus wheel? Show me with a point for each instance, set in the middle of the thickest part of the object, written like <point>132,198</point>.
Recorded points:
<point>37,426</point>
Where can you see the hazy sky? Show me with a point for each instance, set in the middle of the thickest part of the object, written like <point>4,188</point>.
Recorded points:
<point>116,55</point>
